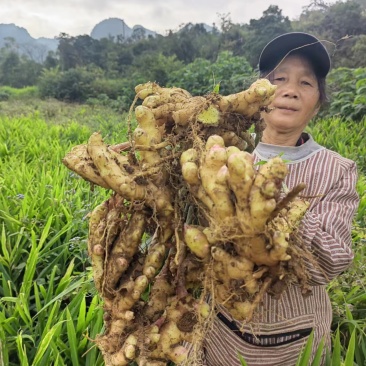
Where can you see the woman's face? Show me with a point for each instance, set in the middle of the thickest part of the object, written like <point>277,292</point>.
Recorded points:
<point>296,99</point>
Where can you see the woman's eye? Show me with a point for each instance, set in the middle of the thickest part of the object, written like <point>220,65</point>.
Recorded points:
<point>307,83</point>
<point>278,80</point>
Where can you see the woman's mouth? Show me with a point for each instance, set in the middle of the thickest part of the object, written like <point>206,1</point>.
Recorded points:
<point>287,109</point>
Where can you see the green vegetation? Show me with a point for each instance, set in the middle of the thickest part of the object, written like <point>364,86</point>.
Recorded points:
<point>48,306</point>
<point>49,310</point>
<point>348,291</point>
<point>10,93</point>
<point>233,73</point>
<point>348,93</point>
<point>105,72</point>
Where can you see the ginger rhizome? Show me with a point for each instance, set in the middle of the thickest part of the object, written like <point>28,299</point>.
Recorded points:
<point>191,222</point>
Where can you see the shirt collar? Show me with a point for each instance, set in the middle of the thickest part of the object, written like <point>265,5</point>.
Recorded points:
<point>290,153</point>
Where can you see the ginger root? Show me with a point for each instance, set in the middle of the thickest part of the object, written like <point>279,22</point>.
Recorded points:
<point>189,215</point>
<point>241,232</point>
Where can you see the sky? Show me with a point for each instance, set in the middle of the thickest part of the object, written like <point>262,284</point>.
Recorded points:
<point>48,18</point>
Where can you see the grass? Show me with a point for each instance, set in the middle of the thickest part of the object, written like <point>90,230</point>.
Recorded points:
<point>9,93</point>
<point>344,137</point>
<point>348,291</point>
<point>111,124</point>
<point>48,303</point>
<point>49,310</point>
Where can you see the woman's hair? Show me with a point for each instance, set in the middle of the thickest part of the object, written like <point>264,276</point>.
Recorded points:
<point>323,98</point>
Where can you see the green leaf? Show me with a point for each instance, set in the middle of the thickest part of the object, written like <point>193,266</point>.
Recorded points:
<point>93,352</point>
<point>21,351</point>
<point>242,361</point>
<point>4,348</point>
<point>318,355</point>
<point>304,358</point>
<point>81,317</point>
<point>261,162</point>
<point>350,351</point>
<point>93,309</point>
<point>66,292</point>
<point>336,355</point>
<point>43,346</point>
<point>216,89</point>
<point>66,279</point>
<point>71,333</point>
<point>51,317</point>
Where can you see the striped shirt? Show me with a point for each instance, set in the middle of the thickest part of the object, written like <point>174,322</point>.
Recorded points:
<point>326,229</point>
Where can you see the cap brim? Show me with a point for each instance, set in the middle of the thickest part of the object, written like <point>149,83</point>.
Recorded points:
<point>301,43</point>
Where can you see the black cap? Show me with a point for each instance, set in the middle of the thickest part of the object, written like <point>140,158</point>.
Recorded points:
<point>301,43</point>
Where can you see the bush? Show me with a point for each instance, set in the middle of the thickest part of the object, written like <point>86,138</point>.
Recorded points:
<point>8,92</point>
<point>73,85</point>
<point>4,95</point>
<point>347,93</point>
<point>83,85</point>
<point>233,73</point>
<point>108,87</point>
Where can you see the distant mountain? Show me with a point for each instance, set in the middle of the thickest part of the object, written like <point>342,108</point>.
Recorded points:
<point>117,30</point>
<point>19,39</point>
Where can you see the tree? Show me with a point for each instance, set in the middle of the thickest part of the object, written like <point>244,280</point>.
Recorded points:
<point>233,73</point>
<point>262,30</point>
<point>155,67</point>
<point>16,71</point>
<point>335,21</point>
<point>191,41</point>
<point>79,51</point>
<point>138,33</point>
<point>232,35</point>
<point>88,51</point>
<point>67,53</point>
<point>359,51</point>
<point>73,85</point>
<point>9,68</point>
<point>36,53</point>
<point>339,25</point>
<point>51,60</point>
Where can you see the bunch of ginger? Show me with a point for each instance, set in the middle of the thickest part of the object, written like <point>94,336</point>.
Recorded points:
<point>190,218</point>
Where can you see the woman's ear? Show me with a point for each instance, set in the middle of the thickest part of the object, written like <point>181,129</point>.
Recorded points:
<point>316,110</point>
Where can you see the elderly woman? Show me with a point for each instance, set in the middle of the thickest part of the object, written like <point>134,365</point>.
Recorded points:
<point>298,64</point>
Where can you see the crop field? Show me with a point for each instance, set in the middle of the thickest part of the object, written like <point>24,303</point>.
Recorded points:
<point>50,311</point>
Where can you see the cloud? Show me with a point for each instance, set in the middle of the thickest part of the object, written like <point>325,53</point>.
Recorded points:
<point>50,18</point>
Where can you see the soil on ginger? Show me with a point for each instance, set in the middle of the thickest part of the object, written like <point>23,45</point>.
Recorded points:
<point>191,223</point>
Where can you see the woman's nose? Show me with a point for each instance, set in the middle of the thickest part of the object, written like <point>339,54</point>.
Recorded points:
<point>291,95</point>
<point>289,91</point>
